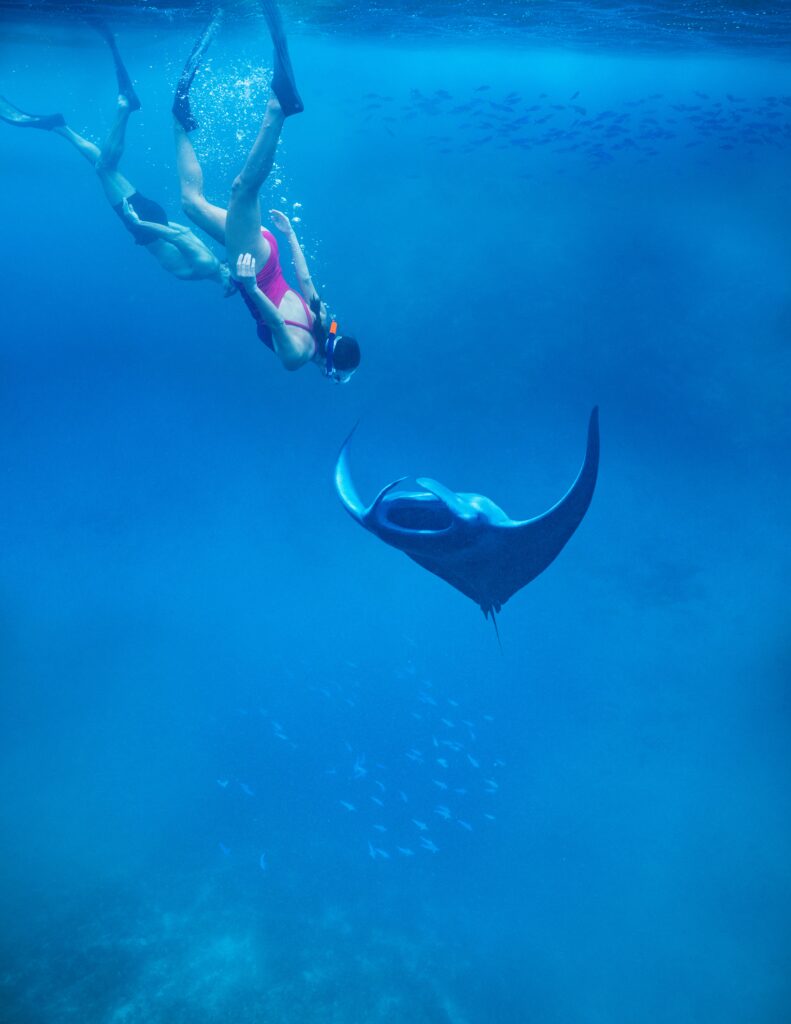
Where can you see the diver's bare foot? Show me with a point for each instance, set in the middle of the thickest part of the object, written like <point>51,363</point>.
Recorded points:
<point>273,106</point>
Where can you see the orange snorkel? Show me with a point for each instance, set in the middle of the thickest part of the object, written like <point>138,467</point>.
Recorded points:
<point>329,349</point>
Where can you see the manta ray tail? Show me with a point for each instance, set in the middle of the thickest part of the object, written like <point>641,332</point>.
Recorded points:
<point>496,628</point>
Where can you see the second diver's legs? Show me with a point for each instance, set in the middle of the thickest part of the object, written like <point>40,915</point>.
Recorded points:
<point>115,185</point>
<point>201,212</point>
<point>113,148</point>
<point>243,227</point>
<point>105,160</point>
<point>84,146</point>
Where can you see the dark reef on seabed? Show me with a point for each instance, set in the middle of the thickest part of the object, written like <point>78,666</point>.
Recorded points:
<point>217,947</point>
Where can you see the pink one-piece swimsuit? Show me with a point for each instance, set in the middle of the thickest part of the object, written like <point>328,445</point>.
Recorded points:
<point>273,284</point>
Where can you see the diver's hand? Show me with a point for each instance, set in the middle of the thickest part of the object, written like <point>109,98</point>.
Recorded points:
<point>129,212</point>
<point>281,221</point>
<point>245,271</point>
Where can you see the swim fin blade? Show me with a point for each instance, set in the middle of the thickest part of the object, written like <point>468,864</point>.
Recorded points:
<point>125,87</point>
<point>181,103</point>
<point>13,115</point>
<point>284,85</point>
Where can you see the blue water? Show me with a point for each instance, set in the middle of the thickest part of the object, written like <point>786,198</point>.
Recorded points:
<point>198,645</point>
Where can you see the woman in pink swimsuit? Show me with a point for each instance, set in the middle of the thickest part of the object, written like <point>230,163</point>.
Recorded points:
<point>291,321</point>
<point>271,282</point>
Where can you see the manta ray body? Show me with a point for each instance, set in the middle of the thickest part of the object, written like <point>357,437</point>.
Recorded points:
<point>466,539</point>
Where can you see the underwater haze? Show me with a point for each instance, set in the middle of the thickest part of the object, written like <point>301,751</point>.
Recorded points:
<point>256,766</point>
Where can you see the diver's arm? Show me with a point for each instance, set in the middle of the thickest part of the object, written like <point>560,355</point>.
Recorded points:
<point>188,243</point>
<point>167,232</point>
<point>306,286</point>
<point>292,353</point>
<point>178,235</point>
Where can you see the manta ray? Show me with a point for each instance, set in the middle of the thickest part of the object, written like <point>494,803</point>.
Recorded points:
<point>466,539</point>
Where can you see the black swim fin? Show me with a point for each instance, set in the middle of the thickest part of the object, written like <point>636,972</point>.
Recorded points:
<point>283,83</point>
<point>181,102</point>
<point>125,87</point>
<point>13,115</point>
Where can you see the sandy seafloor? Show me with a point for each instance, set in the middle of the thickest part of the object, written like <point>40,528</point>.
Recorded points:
<point>203,658</point>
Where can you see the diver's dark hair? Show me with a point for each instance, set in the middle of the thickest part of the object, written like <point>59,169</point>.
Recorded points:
<point>346,354</point>
<point>319,333</point>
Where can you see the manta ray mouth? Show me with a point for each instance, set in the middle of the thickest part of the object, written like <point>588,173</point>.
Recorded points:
<point>419,512</point>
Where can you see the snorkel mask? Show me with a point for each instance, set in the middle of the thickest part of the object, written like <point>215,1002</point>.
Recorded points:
<point>330,370</point>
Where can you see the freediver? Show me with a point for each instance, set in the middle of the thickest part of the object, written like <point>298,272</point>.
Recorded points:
<point>293,323</point>
<point>174,246</point>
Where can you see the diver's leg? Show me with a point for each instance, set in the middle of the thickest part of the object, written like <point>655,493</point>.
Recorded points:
<point>108,157</point>
<point>243,227</point>
<point>113,149</point>
<point>205,215</point>
<point>84,146</point>
<point>200,211</point>
<point>116,187</point>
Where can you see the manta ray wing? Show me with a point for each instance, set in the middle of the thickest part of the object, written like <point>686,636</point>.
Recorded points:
<point>344,484</point>
<point>525,549</point>
<point>503,557</point>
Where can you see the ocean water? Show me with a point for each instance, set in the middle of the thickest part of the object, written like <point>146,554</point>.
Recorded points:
<point>220,696</point>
